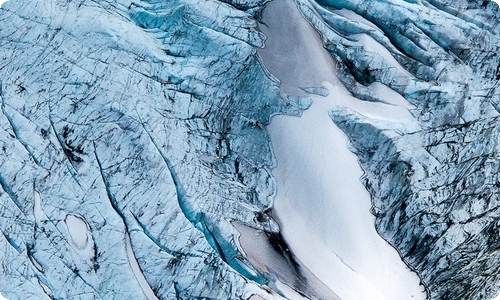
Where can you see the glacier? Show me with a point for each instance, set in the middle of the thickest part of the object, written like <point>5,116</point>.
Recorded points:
<point>322,206</point>
<point>168,149</point>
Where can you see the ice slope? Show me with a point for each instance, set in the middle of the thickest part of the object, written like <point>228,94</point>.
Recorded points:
<point>433,181</point>
<point>322,207</point>
<point>131,134</point>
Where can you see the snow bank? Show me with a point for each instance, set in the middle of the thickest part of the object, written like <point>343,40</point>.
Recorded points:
<point>322,207</point>
<point>148,291</point>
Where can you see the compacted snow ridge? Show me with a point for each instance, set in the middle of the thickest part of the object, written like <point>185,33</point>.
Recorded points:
<point>322,207</point>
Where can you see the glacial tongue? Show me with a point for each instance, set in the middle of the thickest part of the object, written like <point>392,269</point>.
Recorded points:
<point>434,181</point>
<point>132,133</point>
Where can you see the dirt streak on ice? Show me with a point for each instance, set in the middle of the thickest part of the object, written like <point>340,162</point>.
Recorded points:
<point>322,207</point>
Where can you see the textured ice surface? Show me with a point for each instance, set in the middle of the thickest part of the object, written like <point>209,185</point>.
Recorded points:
<point>131,135</point>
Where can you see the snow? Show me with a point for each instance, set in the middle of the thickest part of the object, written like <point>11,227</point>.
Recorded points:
<point>288,292</point>
<point>324,210</point>
<point>2,297</point>
<point>1,3</point>
<point>322,207</point>
<point>372,45</point>
<point>80,235</point>
<point>355,17</point>
<point>78,230</point>
<point>257,249</point>
<point>307,65</point>
<point>148,292</point>
<point>37,208</point>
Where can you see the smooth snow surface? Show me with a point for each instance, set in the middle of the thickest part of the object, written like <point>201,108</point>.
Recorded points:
<point>148,292</point>
<point>37,208</point>
<point>80,235</point>
<point>372,45</point>
<point>261,254</point>
<point>322,207</point>
<point>2,297</point>
<point>1,3</point>
<point>78,231</point>
<point>296,66</point>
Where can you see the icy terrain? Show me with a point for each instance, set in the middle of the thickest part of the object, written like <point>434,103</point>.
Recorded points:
<point>323,209</point>
<point>433,181</point>
<point>128,145</point>
<point>136,158</point>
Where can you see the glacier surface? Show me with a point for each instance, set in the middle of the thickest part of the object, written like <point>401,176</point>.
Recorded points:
<point>136,158</point>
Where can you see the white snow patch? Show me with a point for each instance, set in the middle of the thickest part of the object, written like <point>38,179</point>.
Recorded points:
<point>349,14</point>
<point>257,292</point>
<point>37,208</point>
<point>78,231</point>
<point>340,98</point>
<point>2,297</point>
<point>324,210</point>
<point>45,288</point>
<point>390,96</point>
<point>146,289</point>
<point>257,249</point>
<point>1,3</point>
<point>37,265</point>
<point>80,235</point>
<point>288,292</point>
<point>298,55</point>
<point>322,207</point>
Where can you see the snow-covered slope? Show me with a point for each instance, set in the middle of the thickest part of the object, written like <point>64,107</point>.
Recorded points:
<point>322,206</point>
<point>433,180</point>
<point>135,162</point>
